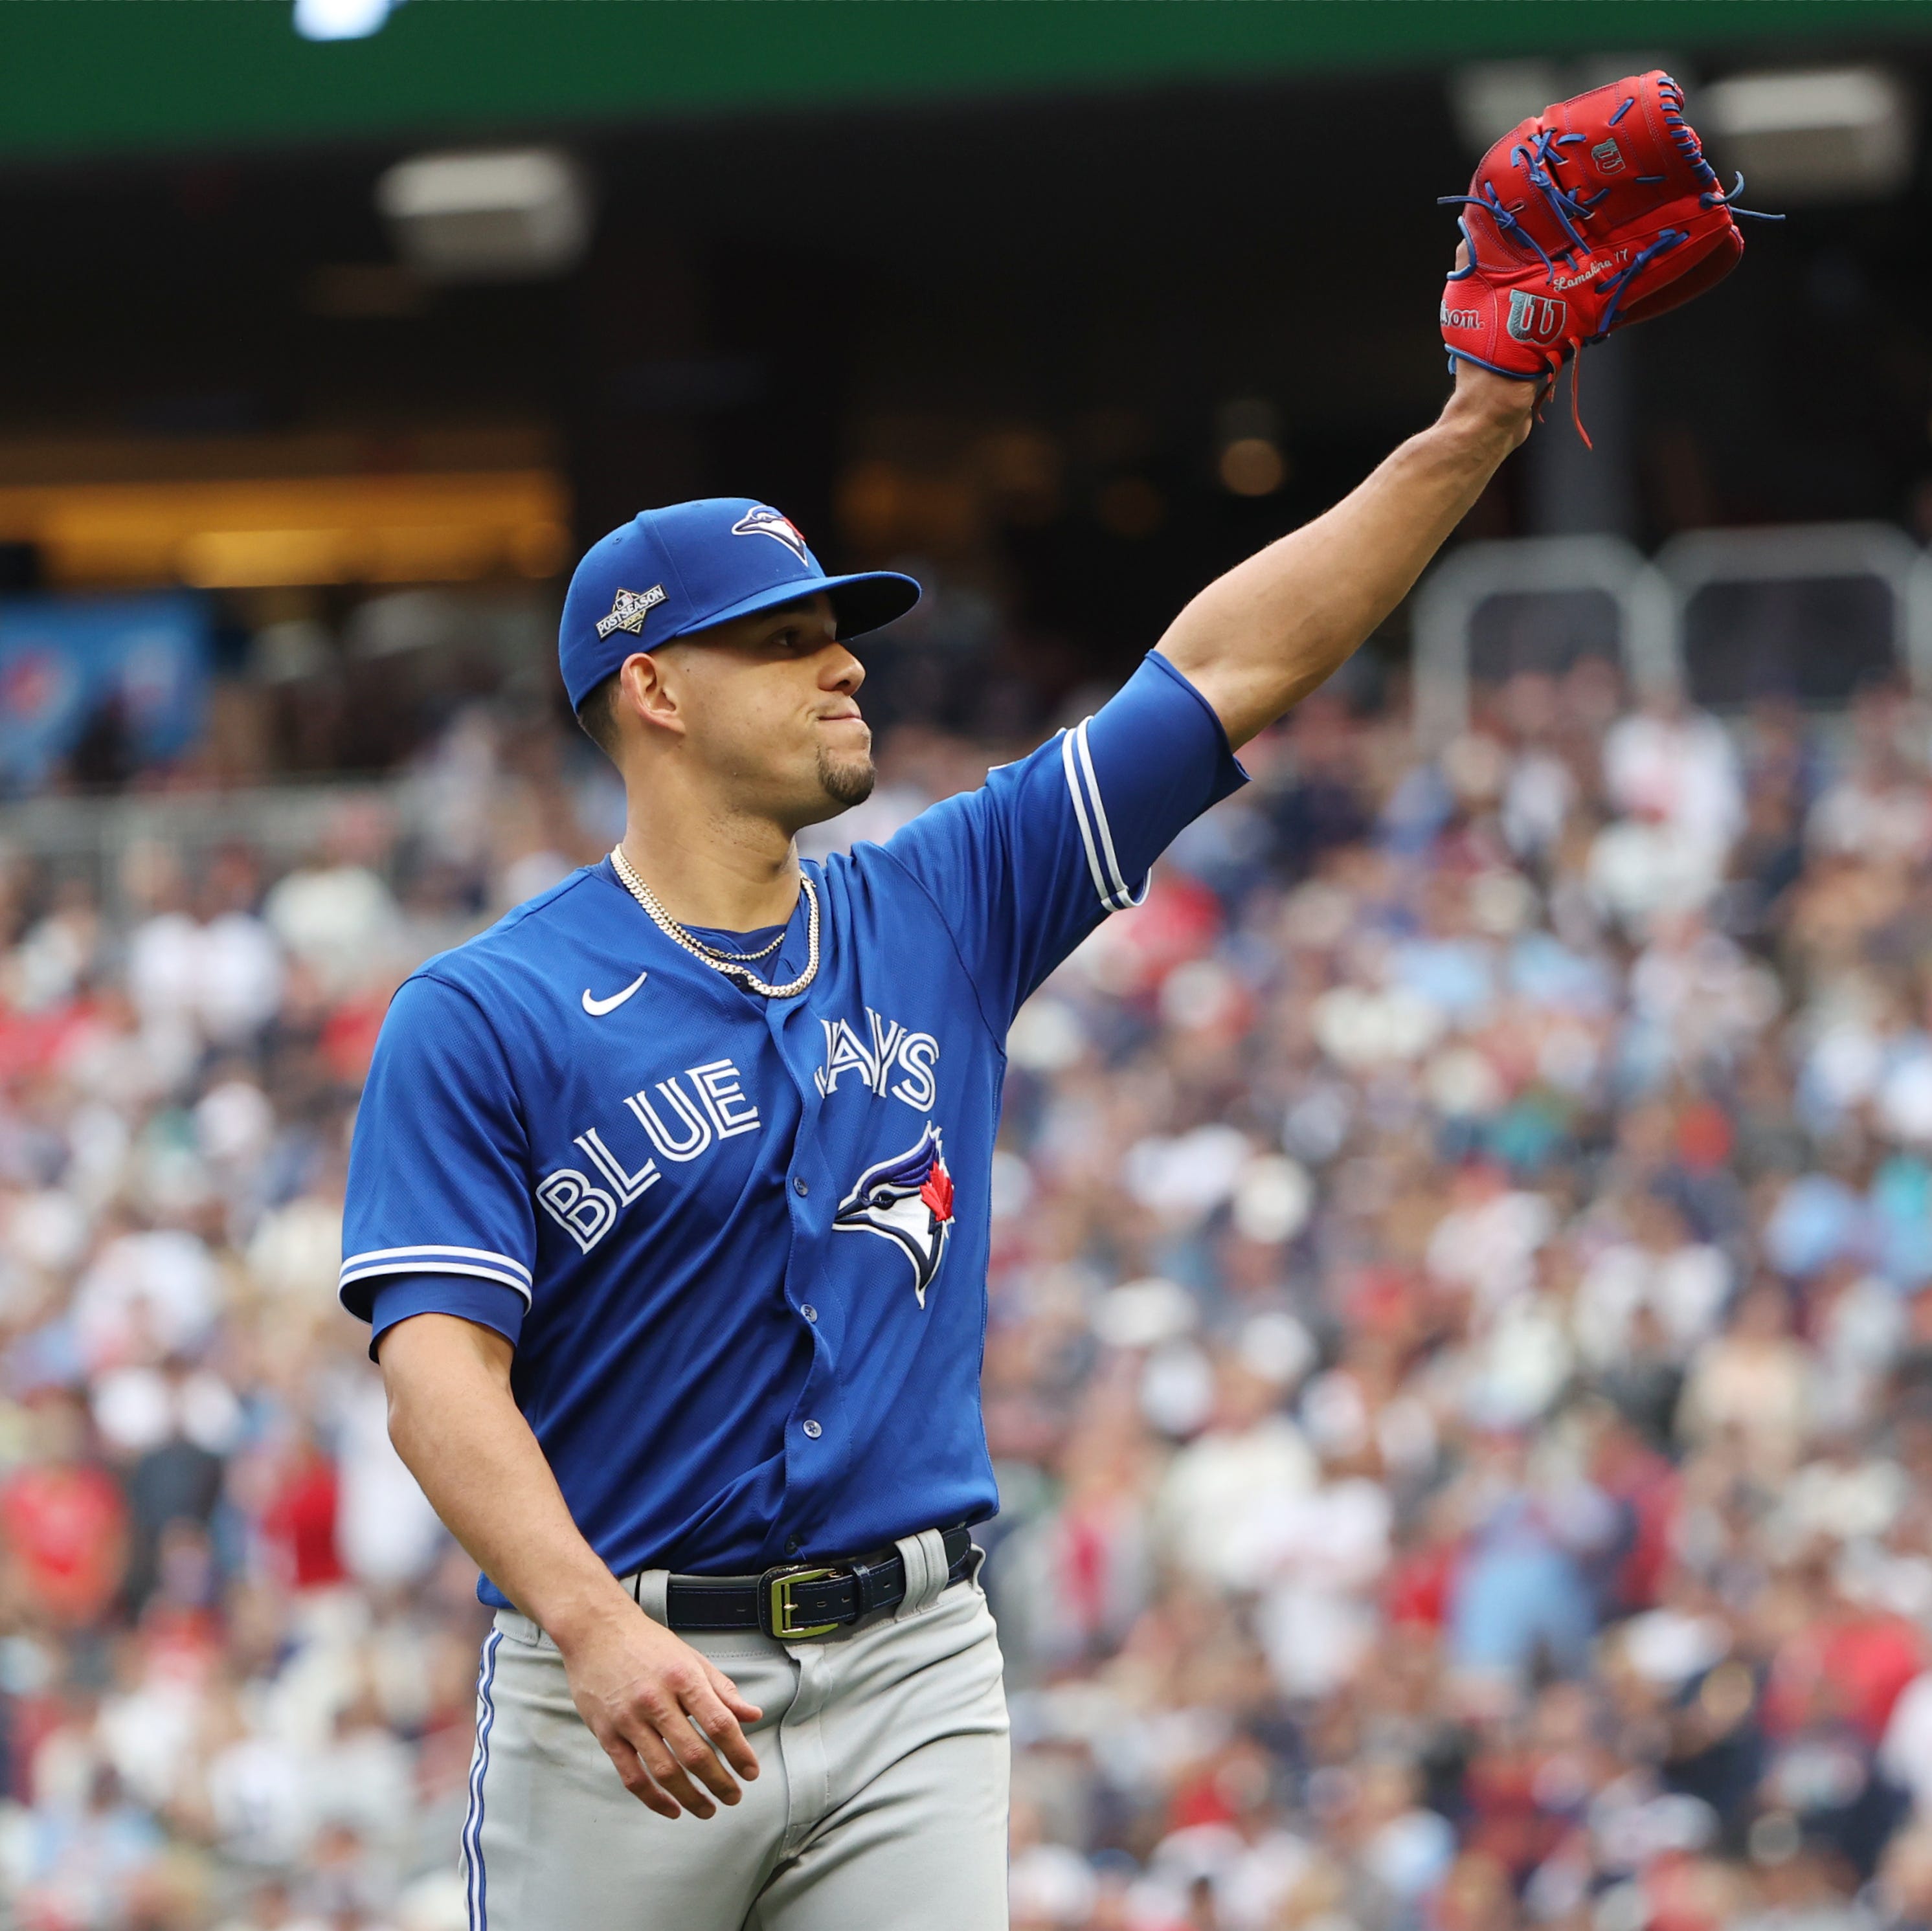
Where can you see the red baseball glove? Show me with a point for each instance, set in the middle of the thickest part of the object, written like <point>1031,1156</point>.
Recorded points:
<point>1597,212</point>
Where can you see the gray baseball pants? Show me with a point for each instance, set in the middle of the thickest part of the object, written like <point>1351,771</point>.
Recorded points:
<point>882,1798</point>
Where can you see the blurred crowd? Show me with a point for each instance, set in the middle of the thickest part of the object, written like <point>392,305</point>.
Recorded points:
<point>1459,1370</point>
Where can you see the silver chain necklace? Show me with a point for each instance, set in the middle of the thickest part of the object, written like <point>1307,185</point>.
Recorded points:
<point>741,959</point>
<point>649,899</point>
<point>730,963</point>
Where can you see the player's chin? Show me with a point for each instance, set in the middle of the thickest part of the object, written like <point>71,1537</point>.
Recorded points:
<point>846,777</point>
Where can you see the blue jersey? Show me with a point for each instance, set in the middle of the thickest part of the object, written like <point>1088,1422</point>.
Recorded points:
<point>740,1243</point>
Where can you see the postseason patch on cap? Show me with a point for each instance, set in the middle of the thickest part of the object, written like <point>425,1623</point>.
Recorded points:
<point>630,609</point>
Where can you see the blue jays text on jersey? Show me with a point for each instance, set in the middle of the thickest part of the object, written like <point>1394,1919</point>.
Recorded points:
<point>740,1243</point>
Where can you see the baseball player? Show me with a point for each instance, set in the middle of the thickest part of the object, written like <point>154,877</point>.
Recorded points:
<point>668,1204</point>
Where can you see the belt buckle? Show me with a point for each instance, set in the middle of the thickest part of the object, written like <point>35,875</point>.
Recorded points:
<point>776,1611</point>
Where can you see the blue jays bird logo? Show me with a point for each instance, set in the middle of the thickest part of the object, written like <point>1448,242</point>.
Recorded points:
<point>766,521</point>
<point>907,1200</point>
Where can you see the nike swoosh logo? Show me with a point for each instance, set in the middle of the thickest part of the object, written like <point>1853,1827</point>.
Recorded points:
<point>597,1008</point>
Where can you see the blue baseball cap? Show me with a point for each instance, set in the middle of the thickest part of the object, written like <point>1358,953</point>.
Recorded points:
<point>668,572</point>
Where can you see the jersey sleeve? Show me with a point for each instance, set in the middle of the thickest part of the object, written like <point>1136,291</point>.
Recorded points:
<point>439,1195</point>
<point>488,1303</point>
<point>1024,867</point>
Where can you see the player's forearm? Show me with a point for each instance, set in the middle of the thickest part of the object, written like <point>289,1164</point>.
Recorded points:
<point>458,1427</point>
<point>1259,639</point>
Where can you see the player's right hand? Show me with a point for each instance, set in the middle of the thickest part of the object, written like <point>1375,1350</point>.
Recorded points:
<point>668,1718</point>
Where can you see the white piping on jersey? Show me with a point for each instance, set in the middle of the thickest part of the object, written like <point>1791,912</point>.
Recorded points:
<point>439,1267</point>
<point>1084,788</point>
<point>515,1267</point>
<point>500,1267</point>
<point>1100,817</point>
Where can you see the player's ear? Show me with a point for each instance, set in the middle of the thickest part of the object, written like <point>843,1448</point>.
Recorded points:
<point>645,693</point>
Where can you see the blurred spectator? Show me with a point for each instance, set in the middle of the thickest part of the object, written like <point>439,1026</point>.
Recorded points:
<point>337,914</point>
<point>65,1517</point>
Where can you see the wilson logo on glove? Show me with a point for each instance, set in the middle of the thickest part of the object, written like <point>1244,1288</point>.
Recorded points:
<point>1537,318</point>
<point>1658,230</point>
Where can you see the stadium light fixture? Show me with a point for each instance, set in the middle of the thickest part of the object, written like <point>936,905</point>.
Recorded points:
<point>342,19</point>
<point>1248,459</point>
<point>1488,97</point>
<point>1820,134</point>
<point>510,214</point>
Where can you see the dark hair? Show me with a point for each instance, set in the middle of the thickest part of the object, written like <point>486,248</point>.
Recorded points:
<point>598,715</point>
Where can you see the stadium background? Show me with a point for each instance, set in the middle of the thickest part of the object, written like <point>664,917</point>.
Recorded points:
<point>1460,1365</point>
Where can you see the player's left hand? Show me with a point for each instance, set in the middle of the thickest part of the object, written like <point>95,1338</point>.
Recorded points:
<point>1600,211</point>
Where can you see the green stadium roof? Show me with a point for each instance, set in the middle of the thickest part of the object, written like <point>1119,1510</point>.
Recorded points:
<point>80,77</point>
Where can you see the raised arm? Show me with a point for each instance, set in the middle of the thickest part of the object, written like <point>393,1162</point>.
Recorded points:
<point>668,1718</point>
<point>1255,642</point>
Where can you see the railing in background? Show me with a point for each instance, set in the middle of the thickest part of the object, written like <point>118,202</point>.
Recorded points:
<point>1543,571</point>
<point>1809,611</point>
<point>90,838</point>
<point>1812,610</point>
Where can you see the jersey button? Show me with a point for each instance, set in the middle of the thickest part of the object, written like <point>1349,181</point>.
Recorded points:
<point>812,1429</point>
<point>800,1188</point>
<point>810,1312</point>
<point>793,1545</point>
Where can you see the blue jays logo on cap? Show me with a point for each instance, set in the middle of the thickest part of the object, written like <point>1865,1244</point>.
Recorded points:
<point>766,521</point>
<point>907,1200</point>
